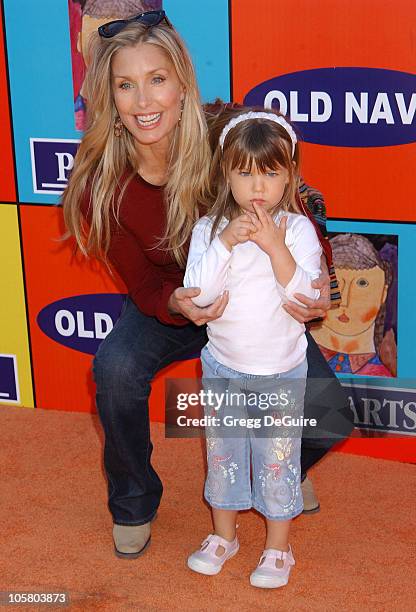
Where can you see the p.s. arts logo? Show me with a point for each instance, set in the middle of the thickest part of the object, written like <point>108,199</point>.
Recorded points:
<point>384,409</point>
<point>52,160</point>
<point>346,107</point>
<point>81,322</point>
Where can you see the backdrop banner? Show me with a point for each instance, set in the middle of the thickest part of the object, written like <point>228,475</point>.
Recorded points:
<point>350,91</point>
<point>7,188</point>
<point>15,374</point>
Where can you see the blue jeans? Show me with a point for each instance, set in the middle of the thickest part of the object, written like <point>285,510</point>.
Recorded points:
<point>240,443</point>
<point>125,364</point>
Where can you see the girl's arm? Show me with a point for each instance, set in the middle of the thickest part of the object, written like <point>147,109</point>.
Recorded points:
<point>304,247</point>
<point>313,206</point>
<point>294,251</point>
<point>207,265</point>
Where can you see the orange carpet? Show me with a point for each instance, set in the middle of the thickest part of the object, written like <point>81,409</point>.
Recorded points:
<point>357,554</point>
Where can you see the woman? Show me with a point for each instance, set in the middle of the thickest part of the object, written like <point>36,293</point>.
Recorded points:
<point>139,176</point>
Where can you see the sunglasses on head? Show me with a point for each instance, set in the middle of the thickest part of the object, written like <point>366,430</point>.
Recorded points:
<point>149,19</point>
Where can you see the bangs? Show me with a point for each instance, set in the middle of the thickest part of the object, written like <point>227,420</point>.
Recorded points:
<point>258,143</point>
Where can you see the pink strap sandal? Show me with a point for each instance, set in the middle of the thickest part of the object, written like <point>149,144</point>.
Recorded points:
<point>206,561</point>
<point>267,575</point>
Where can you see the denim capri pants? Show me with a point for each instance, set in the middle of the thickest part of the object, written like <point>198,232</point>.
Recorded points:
<point>251,465</point>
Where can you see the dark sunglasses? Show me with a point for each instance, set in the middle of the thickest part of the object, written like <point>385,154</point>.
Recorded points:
<point>149,19</point>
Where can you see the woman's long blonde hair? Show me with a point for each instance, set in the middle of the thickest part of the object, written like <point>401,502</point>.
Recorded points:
<point>103,158</point>
<point>259,142</point>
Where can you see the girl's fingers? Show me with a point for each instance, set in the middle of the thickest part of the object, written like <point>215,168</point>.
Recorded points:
<point>245,220</point>
<point>255,221</point>
<point>248,223</point>
<point>247,228</point>
<point>268,218</point>
<point>261,214</point>
<point>283,224</point>
<point>252,216</point>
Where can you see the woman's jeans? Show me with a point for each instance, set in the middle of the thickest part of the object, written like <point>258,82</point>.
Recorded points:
<point>124,366</point>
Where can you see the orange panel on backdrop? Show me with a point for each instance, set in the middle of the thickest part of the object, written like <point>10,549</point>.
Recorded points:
<point>7,185</point>
<point>278,39</point>
<point>60,291</point>
<point>62,376</point>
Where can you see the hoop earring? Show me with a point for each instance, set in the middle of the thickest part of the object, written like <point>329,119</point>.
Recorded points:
<point>118,127</point>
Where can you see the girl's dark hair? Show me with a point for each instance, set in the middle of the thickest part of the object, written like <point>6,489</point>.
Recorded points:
<point>259,142</point>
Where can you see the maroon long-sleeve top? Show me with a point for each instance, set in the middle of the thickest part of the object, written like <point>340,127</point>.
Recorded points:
<point>149,272</point>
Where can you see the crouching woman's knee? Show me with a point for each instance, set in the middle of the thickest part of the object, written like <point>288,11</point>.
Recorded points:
<point>120,370</point>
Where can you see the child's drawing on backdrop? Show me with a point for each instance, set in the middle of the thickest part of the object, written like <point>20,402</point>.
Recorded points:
<point>85,17</point>
<point>360,336</point>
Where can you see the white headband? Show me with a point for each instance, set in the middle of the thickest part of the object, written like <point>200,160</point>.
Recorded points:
<point>259,115</point>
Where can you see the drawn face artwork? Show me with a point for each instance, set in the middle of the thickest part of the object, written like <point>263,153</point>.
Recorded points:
<point>363,292</point>
<point>89,25</point>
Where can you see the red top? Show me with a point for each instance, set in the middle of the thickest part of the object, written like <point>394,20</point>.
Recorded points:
<point>150,274</point>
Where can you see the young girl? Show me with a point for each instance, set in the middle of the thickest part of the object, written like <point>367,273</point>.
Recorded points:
<point>256,246</point>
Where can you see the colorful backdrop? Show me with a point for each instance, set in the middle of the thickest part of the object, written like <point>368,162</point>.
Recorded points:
<point>349,88</point>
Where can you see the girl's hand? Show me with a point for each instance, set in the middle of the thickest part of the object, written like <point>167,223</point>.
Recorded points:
<point>268,236</point>
<point>238,230</point>
<point>180,302</point>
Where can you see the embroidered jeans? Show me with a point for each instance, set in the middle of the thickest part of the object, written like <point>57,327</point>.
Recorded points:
<point>245,441</point>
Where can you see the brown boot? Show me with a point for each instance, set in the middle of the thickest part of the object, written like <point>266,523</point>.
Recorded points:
<point>310,501</point>
<point>131,541</point>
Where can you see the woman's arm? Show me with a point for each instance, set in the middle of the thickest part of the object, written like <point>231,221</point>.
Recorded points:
<point>154,292</point>
<point>148,287</point>
<point>164,299</point>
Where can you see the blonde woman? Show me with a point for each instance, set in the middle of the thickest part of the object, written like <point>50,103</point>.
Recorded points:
<point>139,181</point>
<point>144,156</point>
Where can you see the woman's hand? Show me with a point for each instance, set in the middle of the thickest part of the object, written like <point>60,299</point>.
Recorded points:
<point>313,309</point>
<point>180,302</point>
<point>238,230</point>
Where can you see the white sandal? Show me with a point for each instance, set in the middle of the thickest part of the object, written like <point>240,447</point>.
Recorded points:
<point>206,561</point>
<point>267,575</point>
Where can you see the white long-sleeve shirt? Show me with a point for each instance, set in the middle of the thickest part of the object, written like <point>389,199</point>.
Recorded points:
<point>255,334</point>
